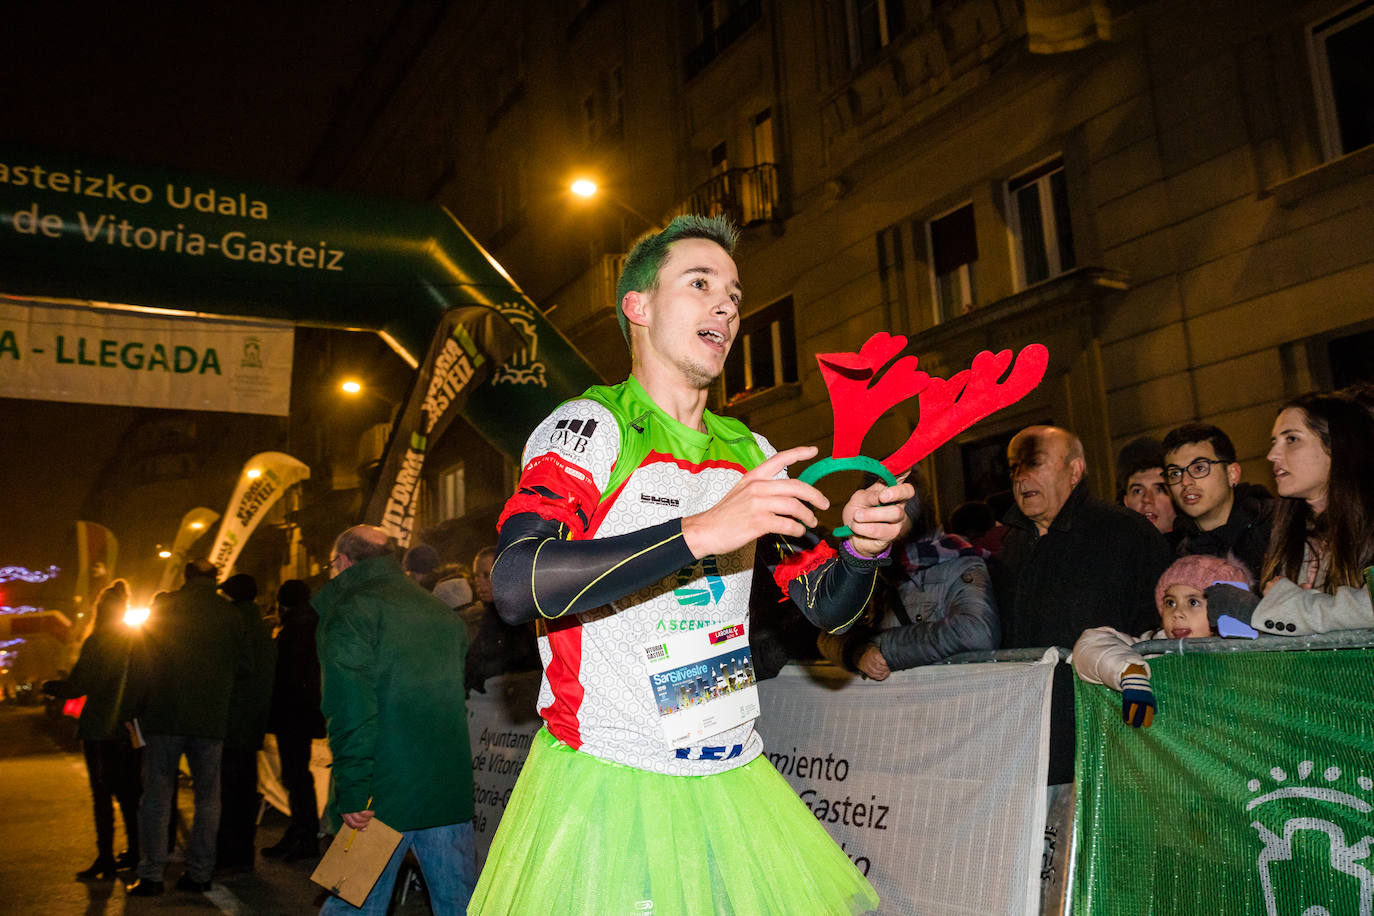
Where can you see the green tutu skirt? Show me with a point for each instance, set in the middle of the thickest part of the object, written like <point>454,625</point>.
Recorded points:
<point>584,835</point>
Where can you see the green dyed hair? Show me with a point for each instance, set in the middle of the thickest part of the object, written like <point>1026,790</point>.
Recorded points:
<point>640,273</point>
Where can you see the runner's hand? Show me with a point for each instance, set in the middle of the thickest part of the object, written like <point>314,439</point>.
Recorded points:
<point>757,505</point>
<point>875,515</point>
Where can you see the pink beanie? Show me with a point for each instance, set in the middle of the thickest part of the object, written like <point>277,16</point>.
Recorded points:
<point>1200,571</point>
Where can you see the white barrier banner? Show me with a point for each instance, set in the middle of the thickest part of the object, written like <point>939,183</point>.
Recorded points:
<point>501,724</point>
<point>933,781</point>
<point>91,356</point>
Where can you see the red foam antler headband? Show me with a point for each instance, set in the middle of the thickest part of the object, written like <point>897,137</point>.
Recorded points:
<point>858,397</point>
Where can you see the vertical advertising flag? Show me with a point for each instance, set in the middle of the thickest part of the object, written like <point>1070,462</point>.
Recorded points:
<point>470,340</point>
<point>265,477</point>
<point>96,552</point>
<point>1252,792</point>
<point>193,525</point>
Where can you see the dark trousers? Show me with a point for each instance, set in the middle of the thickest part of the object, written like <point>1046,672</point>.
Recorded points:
<point>114,770</point>
<point>239,802</point>
<point>294,750</point>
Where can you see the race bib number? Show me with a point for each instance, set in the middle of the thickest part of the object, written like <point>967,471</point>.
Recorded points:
<point>703,683</point>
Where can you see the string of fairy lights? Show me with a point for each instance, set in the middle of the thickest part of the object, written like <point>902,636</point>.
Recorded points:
<point>24,574</point>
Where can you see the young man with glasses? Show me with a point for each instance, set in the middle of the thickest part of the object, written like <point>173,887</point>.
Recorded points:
<point>1218,514</point>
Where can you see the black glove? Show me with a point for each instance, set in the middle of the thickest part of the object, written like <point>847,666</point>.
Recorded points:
<point>1231,601</point>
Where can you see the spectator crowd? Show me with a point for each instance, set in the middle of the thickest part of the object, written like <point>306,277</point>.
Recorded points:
<point>382,657</point>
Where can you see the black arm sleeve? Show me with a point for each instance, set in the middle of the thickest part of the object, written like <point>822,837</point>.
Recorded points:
<point>540,574</point>
<point>834,594</point>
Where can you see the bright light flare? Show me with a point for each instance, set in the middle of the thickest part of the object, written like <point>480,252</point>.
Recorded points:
<point>254,473</point>
<point>136,616</point>
<point>196,526</point>
<point>351,386</point>
<point>583,187</point>
<point>165,554</point>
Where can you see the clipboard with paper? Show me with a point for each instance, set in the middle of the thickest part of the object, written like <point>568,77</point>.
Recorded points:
<point>355,860</point>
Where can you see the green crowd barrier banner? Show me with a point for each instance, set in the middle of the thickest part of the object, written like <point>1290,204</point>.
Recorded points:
<point>1251,793</point>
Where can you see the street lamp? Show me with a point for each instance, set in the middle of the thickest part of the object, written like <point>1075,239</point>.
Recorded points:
<point>586,188</point>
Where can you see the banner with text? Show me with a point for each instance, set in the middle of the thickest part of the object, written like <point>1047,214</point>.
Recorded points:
<point>501,723</point>
<point>265,479</point>
<point>60,353</point>
<point>933,782</point>
<point>470,341</point>
<point>1250,794</point>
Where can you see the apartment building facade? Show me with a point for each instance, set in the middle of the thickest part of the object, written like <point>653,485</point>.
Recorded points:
<point>1175,198</point>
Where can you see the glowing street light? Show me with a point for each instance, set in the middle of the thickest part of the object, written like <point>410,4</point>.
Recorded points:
<point>253,473</point>
<point>586,188</point>
<point>197,526</point>
<point>351,386</point>
<point>165,554</point>
<point>136,616</point>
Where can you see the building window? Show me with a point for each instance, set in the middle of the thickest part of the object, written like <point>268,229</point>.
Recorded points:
<point>765,352</point>
<point>453,493</point>
<point>953,262</point>
<point>589,117</point>
<point>615,91</point>
<point>763,137</point>
<point>720,162</point>
<point>1344,78</point>
<point>871,24</point>
<point>1039,205</point>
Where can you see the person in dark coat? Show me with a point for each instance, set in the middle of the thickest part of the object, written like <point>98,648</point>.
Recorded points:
<point>1219,514</point>
<point>934,601</point>
<point>198,655</point>
<point>496,647</point>
<point>239,799</point>
<point>296,720</point>
<point>1069,563</point>
<point>101,675</point>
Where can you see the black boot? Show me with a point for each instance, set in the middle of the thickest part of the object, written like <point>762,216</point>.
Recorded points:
<point>304,848</point>
<point>127,859</point>
<point>102,867</point>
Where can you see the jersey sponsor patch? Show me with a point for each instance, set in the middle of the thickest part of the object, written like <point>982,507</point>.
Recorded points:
<point>572,435</point>
<point>709,752</point>
<point>694,591</point>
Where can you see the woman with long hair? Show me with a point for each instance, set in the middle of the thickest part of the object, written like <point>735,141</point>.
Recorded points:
<point>1322,545</point>
<point>101,675</point>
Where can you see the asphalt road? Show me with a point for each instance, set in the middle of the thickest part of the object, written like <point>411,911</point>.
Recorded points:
<point>46,835</point>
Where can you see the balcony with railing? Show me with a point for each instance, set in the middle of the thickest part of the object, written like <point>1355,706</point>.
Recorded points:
<point>746,195</point>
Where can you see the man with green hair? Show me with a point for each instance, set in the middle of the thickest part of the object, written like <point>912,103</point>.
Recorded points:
<point>631,541</point>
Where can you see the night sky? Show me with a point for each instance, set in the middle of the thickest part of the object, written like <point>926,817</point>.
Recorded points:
<point>202,87</point>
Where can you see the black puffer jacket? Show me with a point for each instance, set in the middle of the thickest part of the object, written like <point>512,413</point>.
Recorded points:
<point>1245,534</point>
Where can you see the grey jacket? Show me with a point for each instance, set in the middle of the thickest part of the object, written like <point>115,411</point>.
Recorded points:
<point>940,611</point>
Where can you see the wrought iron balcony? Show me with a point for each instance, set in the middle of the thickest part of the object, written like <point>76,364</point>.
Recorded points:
<point>747,196</point>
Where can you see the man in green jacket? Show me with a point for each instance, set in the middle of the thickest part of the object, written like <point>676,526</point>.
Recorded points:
<point>391,661</point>
<point>196,656</point>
